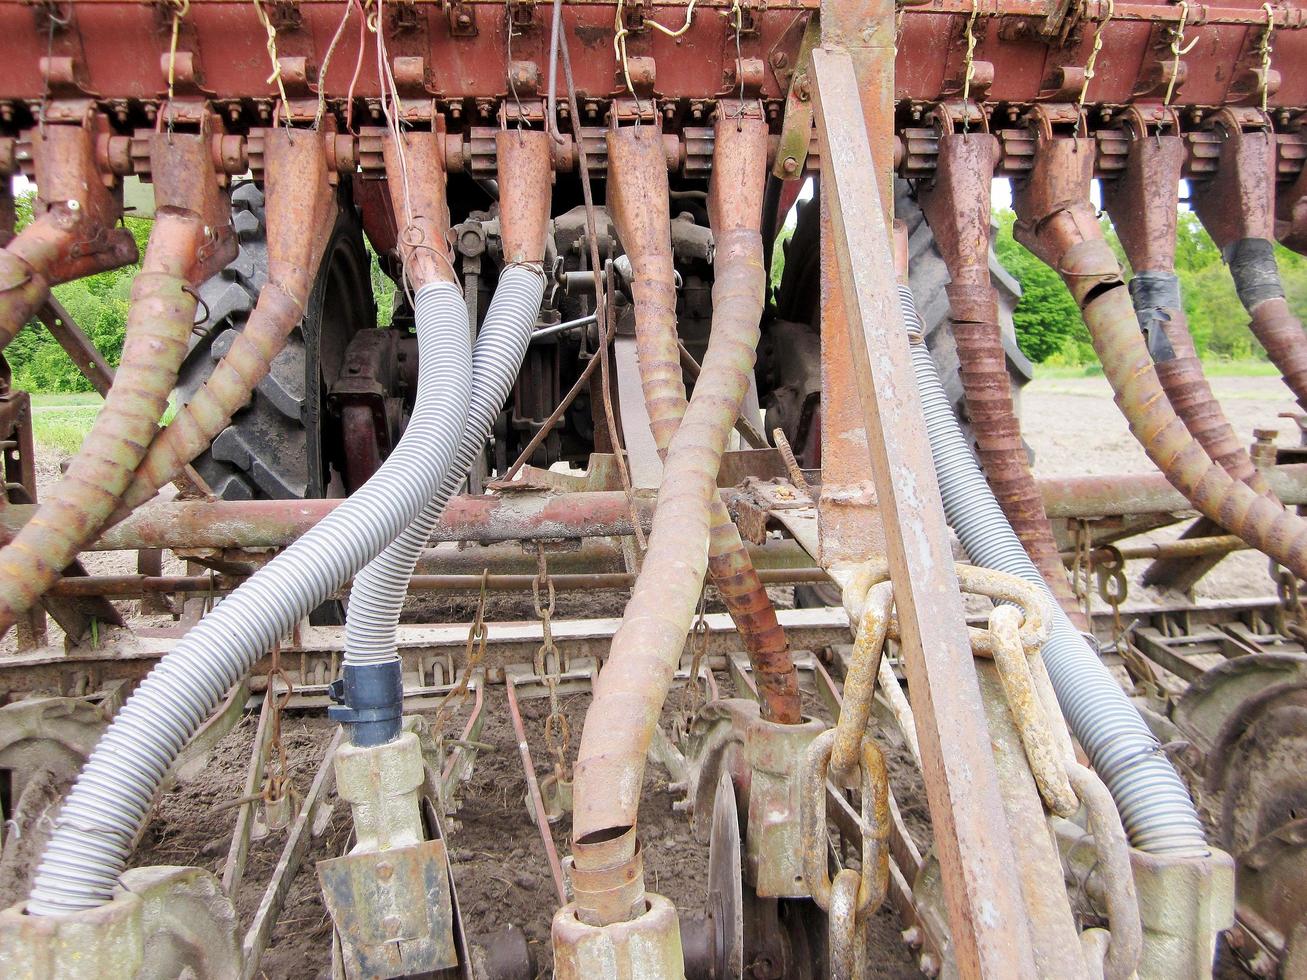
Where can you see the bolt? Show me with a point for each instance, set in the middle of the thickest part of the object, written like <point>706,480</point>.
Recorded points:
<point>391,924</point>
<point>74,206</point>
<point>791,165</point>
<point>385,870</point>
<point>779,60</point>
<point>912,936</point>
<point>929,965</point>
<point>680,806</point>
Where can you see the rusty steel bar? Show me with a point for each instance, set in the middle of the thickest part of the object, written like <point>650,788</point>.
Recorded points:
<point>630,691</point>
<point>188,525</point>
<point>533,787</point>
<point>73,233</point>
<point>136,586</point>
<point>957,207</point>
<point>1219,544</point>
<point>643,228</point>
<point>1056,221</point>
<point>1237,207</point>
<point>991,931</point>
<point>190,241</point>
<point>1069,498</point>
<point>300,208</point>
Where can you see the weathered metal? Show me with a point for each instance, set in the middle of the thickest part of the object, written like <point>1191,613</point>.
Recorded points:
<point>621,719</point>
<point>969,825</point>
<point>1056,220</point>
<point>1238,204</point>
<point>191,240</point>
<point>300,207</point>
<point>648,945</point>
<point>73,231</point>
<point>957,206</point>
<point>659,354</point>
<point>162,922</point>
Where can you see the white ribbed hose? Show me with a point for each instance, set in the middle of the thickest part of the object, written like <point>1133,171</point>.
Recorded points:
<point>107,806</point>
<point>377,596</point>
<point>1154,804</point>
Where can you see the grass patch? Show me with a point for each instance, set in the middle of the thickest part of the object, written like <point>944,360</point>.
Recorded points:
<point>60,422</point>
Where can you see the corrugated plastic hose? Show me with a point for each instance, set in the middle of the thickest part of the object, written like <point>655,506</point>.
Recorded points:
<point>377,595</point>
<point>94,832</point>
<point>1154,804</point>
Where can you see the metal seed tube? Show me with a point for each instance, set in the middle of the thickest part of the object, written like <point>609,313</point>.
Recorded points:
<point>642,226</point>
<point>300,208</point>
<point>631,688</point>
<point>159,324</point>
<point>1057,222</point>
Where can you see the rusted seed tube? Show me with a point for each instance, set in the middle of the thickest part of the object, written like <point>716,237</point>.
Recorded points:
<point>957,206</point>
<point>421,208</point>
<point>1058,223</point>
<point>633,684</point>
<point>1237,207</point>
<point>1143,203</point>
<point>158,324</point>
<point>300,209</point>
<point>642,226</point>
<point>73,234</point>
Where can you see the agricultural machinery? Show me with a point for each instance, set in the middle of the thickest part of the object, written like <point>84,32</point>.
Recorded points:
<point>458,316</point>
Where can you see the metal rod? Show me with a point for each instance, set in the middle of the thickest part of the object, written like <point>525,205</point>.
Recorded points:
<point>558,328</point>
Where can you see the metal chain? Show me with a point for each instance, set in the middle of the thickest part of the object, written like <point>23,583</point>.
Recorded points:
<point>473,653</point>
<point>1264,49</point>
<point>1093,59</point>
<point>969,66</point>
<point>1082,565</point>
<point>180,8</point>
<point>1178,48</point>
<point>276,61</point>
<point>549,668</point>
<point>1113,588</point>
<point>276,780</point>
<point>698,650</point>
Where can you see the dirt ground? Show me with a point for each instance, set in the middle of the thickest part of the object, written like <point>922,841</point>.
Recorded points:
<point>499,863</point>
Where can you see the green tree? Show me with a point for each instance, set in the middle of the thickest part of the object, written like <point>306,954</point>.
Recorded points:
<point>1047,320</point>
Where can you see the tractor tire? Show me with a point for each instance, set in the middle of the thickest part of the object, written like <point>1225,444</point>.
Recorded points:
<point>280,445</point>
<point>798,299</point>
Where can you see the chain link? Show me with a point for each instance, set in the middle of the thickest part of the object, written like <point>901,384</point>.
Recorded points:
<point>969,66</point>
<point>1264,50</point>
<point>473,653</point>
<point>549,667</point>
<point>1113,588</point>
<point>276,779</point>
<point>1178,48</point>
<point>698,650</point>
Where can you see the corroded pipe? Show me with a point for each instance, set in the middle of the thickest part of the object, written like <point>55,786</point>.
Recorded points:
<point>1057,222</point>
<point>957,207</point>
<point>73,233</point>
<point>642,221</point>
<point>421,208</point>
<point>630,691</point>
<point>188,243</point>
<point>1143,203</point>
<point>1237,207</point>
<point>300,206</point>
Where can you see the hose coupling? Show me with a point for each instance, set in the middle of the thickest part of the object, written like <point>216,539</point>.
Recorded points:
<point>369,700</point>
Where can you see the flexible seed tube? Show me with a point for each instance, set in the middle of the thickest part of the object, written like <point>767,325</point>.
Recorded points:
<point>1257,280</point>
<point>1058,223</point>
<point>300,208</point>
<point>1154,804</point>
<point>158,325</point>
<point>634,682</point>
<point>101,816</point>
<point>957,206</point>
<point>377,596</point>
<point>643,228</point>
<point>23,283</point>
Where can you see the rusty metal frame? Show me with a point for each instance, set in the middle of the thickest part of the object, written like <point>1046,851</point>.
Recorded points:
<point>989,923</point>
